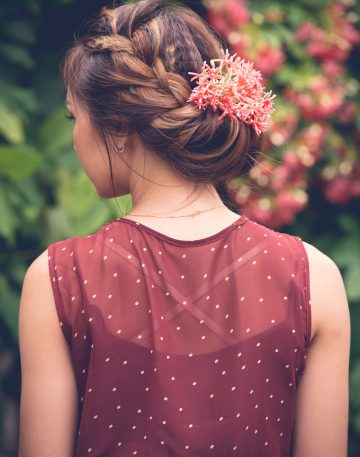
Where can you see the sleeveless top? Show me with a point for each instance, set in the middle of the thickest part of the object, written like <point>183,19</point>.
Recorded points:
<point>184,348</point>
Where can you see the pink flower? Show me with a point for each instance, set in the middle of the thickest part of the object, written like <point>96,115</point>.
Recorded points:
<point>237,12</point>
<point>338,190</point>
<point>237,91</point>
<point>269,59</point>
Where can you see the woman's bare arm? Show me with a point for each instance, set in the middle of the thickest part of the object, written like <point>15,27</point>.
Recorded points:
<point>321,423</point>
<point>48,407</point>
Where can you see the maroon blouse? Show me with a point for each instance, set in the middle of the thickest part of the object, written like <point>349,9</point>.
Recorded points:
<point>184,348</point>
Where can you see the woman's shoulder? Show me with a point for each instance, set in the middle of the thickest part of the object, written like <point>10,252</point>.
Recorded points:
<point>329,305</point>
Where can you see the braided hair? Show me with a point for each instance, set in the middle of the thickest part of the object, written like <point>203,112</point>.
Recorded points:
<point>130,70</point>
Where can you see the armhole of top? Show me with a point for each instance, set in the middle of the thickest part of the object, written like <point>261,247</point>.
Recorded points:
<point>64,324</point>
<point>307,295</point>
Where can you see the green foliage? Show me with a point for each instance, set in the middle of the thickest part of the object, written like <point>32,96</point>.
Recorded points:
<point>46,196</point>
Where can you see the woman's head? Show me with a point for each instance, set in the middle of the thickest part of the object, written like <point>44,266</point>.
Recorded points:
<point>129,74</point>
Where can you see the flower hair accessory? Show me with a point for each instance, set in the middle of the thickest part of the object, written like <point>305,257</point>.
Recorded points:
<point>238,92</point>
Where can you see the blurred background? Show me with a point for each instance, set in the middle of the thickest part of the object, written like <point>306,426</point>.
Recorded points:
<point>307,182</point>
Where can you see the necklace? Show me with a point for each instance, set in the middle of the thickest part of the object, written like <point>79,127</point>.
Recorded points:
<point>186,215</point>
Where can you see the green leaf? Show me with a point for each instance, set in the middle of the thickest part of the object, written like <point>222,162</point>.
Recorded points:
<point>91,221</point>
<point>56,132</point>
<point>76,194</point>
<point>9,307</point>
<point>16,55</point>
<point>16,97</point>
<point>9,219</point>
<point>18,161</point>
<point>352,282</point>
<point>20,31</point>
<point>58,225</point>
<point>11,126</point>
<point>346,251</point>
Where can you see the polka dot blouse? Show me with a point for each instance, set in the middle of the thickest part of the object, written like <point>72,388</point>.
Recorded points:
<point>184,348</point>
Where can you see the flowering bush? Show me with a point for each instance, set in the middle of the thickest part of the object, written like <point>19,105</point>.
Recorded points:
<point>315,129</point>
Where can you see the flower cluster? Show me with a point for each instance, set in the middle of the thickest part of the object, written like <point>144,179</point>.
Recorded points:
<point>235,88</point>
<point>314,133</point>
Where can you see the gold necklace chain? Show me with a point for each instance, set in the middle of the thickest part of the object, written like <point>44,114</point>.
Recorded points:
<point>186,215</point>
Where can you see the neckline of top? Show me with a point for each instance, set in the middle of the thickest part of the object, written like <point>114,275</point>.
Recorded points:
<point>240,221</point>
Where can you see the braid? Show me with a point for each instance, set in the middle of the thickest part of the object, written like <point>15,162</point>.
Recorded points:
<point>142,85</point>
<point>111,43</point>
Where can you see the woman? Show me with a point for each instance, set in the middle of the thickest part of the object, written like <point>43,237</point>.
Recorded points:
<point>186,329</point>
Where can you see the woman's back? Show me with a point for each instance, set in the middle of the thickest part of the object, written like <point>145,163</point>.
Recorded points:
<point>184,347</point>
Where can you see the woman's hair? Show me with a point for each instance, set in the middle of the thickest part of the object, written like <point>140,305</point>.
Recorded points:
<point>129,68</point>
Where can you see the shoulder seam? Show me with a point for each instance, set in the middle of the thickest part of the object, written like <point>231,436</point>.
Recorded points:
<point>306,285</point>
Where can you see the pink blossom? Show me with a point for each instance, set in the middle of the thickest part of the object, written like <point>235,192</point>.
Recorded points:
<point>338,190</point>
<point>269,59</point>
<point>238,92</point>
<point>347,112</point>
<point>333,69</point>
<point>236,12</point>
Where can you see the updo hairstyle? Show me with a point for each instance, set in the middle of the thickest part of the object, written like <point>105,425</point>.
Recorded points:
<point>129,68</point>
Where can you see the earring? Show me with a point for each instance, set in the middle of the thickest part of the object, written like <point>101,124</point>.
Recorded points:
<point>119,151</point>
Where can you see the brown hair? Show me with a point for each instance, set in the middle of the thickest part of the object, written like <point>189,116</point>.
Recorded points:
<point>130,69</point>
